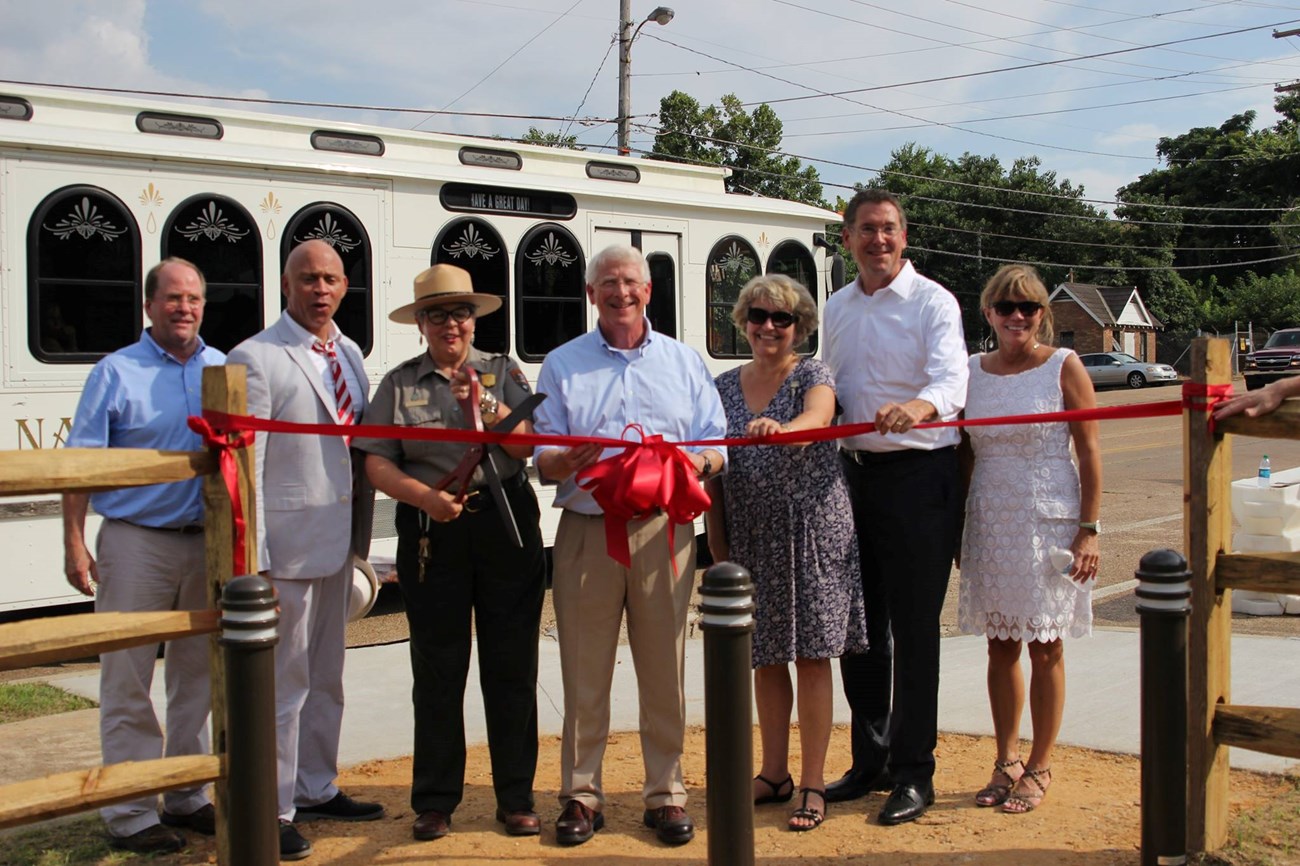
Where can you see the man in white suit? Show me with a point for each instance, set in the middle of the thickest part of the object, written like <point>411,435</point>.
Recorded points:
<point>313,514</point>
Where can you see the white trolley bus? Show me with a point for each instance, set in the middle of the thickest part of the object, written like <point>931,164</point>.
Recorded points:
<point>95,190</point>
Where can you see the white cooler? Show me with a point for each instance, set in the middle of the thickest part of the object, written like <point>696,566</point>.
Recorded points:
<point>1270,523</point>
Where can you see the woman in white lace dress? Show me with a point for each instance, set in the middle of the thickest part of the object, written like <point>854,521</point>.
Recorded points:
<point>1027,497</point>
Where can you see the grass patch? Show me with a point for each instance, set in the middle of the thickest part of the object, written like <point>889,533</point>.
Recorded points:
<point>1270,835</point>
<point>79,842</point>
<point>20,701</point>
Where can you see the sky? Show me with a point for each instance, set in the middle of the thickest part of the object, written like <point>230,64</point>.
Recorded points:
<point>1087,87</point>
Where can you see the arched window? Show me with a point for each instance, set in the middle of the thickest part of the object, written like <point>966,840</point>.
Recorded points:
<point>793,259</point>
<point>474,245</point>
<point>340,228</point>
<point>84,295</point>
<point>551,291</point>
<point>732,263</point>
<point>221,239</point>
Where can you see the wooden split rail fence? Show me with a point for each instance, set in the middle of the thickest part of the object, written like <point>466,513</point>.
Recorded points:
<point>1214,722</point>
<point>42,641</point>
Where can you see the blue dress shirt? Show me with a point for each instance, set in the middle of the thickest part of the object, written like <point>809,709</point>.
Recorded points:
<point>594,389</point>
<point>139,397</point>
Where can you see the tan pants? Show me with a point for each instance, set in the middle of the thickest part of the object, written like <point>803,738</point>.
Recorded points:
<point>590,592</point>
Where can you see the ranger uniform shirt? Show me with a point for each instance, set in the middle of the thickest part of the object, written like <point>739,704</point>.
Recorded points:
<point>415,394</point>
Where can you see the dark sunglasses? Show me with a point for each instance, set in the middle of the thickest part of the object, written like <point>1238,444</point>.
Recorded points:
<point>780,318</point>
<point>439,315</point>
<point>1026,308</point>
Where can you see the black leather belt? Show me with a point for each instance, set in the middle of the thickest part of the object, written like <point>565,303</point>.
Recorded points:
<point>187,529</point>
<point>480,498</point>
<point>868,458</point>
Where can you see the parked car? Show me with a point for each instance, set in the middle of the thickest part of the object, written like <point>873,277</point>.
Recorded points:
<point>1121,368</point>
<point>1280,357</point>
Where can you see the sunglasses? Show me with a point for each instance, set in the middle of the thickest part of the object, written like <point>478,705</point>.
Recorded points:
<point>780,318</point>
<point>439,315</point>
<point>1026,308</point>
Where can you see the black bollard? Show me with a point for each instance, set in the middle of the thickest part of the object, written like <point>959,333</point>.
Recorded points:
<point>1164,601</point>
<point>249,622</point>
<point>727,608</point>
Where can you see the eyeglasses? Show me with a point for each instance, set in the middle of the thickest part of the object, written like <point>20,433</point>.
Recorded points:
<point>439,315</point>
<point>780,318</point>
<point>1026,308</point>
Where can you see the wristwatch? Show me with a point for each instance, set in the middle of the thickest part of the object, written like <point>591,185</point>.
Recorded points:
<point>488,405</point>
<point>708,467</point>
<point>1094,525</point>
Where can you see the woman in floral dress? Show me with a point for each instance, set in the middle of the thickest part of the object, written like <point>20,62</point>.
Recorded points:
<point>783,512</point>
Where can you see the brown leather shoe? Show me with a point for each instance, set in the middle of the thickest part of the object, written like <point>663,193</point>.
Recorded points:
<point>521,822</point>
<point>431,825</point>
<point>577,823</point>
<point>671,824</point>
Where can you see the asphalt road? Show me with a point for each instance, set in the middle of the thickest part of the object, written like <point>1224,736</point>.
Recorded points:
<point>1142,510</point>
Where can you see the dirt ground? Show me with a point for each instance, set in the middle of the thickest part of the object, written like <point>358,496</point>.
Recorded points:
<point>1090,818</point>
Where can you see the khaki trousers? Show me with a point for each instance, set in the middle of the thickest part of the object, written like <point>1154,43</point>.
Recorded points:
<point>147,569</point>
<point>590,592</point>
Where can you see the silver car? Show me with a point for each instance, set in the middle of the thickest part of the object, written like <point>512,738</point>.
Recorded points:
<point>1121,368</point>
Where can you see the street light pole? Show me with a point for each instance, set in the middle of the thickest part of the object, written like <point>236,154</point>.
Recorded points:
<point>626,34</point>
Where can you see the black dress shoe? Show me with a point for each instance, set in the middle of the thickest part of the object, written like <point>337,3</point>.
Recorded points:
<point>577,823</point>
<point>855,784</point>
<point>906,803</point>
<point>155,839</point>
<point>340,807</point>
<point>671,824</point>
<point>201,820</point>
<point>292,845</point>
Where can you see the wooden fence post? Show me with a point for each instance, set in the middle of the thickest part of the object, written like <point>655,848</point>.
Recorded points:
<point>1207,521</point>
<point>225,390</point>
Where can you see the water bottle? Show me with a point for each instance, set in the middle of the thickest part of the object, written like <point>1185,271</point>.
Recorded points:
<point>1265,476</point>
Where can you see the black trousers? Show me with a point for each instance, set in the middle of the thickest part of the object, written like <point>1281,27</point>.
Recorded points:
<point>473,567</point>
<point>906,506</point>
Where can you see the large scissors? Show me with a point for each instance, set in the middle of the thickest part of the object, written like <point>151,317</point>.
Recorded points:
<point>479,455</point>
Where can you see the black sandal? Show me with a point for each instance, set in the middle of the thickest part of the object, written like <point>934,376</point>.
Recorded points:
<point>776,796</point>
<point>996,793</point>
<point>808,813</point>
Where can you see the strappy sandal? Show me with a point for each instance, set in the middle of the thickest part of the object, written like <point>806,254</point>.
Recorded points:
<point>1021,801</point>
<point>808,813</point>
<point>777,787</point>
<point>995,793</point>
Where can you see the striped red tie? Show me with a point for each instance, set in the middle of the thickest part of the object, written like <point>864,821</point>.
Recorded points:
<point>342,399</point>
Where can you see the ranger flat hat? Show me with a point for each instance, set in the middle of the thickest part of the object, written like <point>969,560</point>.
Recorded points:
<point>444,284</point>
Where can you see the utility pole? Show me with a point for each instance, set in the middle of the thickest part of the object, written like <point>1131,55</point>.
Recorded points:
<point>626,35</point>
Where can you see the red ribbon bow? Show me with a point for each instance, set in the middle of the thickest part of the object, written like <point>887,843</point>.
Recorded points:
<point>225,444</point>
<point>646,476</point>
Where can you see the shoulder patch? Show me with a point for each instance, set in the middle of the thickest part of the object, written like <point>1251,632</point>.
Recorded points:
<point>520,379</point>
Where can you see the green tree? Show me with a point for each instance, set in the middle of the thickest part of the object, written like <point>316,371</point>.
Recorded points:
<point>747,143</point>
<point>550,139</point>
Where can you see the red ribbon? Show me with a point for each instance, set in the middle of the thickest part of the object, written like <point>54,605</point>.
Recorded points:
<point>225,444</point>
<point>645,476</point>
<point>1200,397</point>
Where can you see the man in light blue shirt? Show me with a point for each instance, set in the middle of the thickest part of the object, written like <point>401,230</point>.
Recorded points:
<point>149,554</point>
<point>622,373</point>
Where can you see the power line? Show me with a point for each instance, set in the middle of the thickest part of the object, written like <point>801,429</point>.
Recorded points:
<point>1078,267</point>
<point>599,68</point>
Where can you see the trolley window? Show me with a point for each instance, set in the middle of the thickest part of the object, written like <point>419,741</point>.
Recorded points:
<point>550,305</point>
<point>662,309</point>
<point>732,263</point>
<point>340,228</point>
<point>792,259</point>
<point>474,245</point>
<point>84,296</point>
<point>221,239</point>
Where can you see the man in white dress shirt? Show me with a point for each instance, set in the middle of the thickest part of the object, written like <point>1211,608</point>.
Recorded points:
<point>894,341</point>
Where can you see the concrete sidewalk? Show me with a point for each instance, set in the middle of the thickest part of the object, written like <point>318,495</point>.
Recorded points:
<point>1101,710</point>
